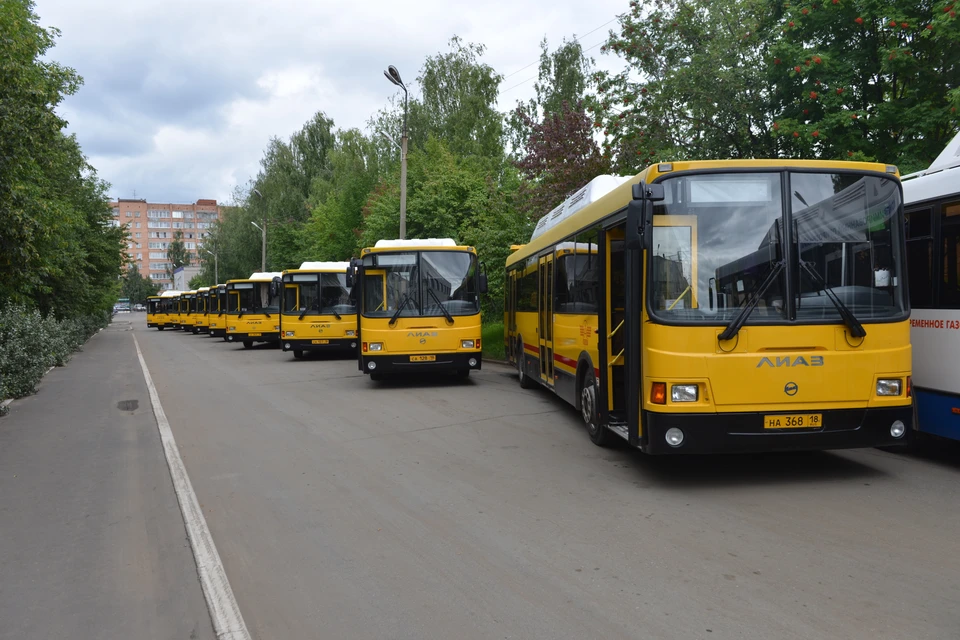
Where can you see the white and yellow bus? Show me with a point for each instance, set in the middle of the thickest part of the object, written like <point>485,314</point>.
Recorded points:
<point>253,308</point>
<point>217,315</point>
<point>419,307</point>
<point>319,312</point>
<point>740,305</point>
<point>201,321</point>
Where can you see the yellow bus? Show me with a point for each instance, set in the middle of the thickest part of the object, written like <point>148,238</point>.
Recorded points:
<point>419,307</point>
<point>721,306</point>
<point>253,308</point>
<point>218,311</point>
<point>319,312</point>
<point>155,315</point>
<point>177,313</point>
<point>201,322</point>
<point>188,310</point>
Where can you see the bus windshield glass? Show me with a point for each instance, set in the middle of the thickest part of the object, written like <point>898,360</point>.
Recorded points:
<point>253,297</point>
<point>154,306</point>
<point>420,283</point>
<point>718,241</point>
<point>318,294</point>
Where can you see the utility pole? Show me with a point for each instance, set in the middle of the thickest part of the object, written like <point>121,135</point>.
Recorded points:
<point>263,235</point>
<point>394,76</point>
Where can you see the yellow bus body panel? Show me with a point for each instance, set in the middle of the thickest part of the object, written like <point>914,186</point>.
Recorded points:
<point>324,327</point>
<point>416,335</point>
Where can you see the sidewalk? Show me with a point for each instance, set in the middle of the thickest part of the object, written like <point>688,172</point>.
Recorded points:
<point>92,542</point>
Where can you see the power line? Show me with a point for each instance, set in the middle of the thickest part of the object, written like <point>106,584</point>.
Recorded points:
<point>577,39</point>
<point>523,82</point>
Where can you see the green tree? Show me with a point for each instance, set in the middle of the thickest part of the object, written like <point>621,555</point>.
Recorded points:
<point>234,240</point>
<point>563,78</point>
<point>694,86</point>
<point>870,79</point>
<point>177,254</point>
<point>136,286</point>
<point>59,249</point>
<point>198,281</point>
<point>334,226</point>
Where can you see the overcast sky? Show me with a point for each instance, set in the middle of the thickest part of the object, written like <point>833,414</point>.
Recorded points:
<point>180,97</point>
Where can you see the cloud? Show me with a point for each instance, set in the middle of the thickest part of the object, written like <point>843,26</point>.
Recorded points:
<point>181,97</point>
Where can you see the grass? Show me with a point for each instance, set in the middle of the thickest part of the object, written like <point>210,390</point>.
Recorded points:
<point>492,336</point>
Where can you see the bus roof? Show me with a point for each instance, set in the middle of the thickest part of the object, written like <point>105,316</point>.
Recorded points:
<point>937,180</point>
<point>414,242</point>
<point>203,289</point>
<point>170,293</point>
<point>338,267</point>
<point>259,276</point>
<point>609,200</point>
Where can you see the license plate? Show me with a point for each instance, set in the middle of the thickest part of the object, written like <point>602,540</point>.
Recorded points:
<point>319,342</point>
<point>423,358</point>
<point>793,421</point>
<point>254,334</point>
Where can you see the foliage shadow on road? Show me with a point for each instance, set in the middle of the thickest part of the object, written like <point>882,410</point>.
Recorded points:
<point>719,470</point>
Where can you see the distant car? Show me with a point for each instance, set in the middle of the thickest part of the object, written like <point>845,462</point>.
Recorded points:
<point>139,307</point>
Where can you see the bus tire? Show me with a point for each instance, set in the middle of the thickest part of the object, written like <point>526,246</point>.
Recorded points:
<point>247,344</point>
<point>196,331</point>
<point>589,410</point>
<point>159,328</point>
<point>463,374</point>
<point>376,377</point>
<point>526,382</point>
<point>298,353</point>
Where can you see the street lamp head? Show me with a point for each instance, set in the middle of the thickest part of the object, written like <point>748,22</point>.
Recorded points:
<point>394,76</point>
<point>256,225</point>
<point>257,191</point>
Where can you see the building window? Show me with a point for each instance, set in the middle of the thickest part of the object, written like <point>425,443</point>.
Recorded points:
<point>139,256</point>
<point>137,215</point>
<point>178,214</point>
<point>138,234</point>
<point>129,214</point>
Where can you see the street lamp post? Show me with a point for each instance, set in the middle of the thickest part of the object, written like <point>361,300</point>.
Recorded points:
<point>216,265</point>
<point>394,76</point>
<point>263,233</point>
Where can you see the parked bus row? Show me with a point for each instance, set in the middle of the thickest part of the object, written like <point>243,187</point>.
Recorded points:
<point>419,303</point>
<point>698,307</point>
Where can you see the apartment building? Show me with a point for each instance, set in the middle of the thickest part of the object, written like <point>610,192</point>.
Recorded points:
<point>151,226</point>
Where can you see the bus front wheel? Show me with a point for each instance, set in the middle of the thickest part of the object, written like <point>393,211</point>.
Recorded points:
<point>159,328</point>
<point>591,414</point>
<point>247,344</point>
<point>298,353</point>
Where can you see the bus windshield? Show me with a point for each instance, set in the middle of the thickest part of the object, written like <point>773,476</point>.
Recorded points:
<point>253,297</point>
<point>718,240</point>
<point>318,294</point>
<point>154,306</point>
<point>420,283</point>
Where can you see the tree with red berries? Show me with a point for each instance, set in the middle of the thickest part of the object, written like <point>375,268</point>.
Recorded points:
<point>870,79</point>
<point>694,85</point>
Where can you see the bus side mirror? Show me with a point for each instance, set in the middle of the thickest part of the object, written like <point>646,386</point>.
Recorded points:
<point>351,273</point>
<point>640,215</point>
<point>483,283</point>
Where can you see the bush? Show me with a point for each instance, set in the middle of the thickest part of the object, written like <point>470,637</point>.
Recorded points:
<point>30,344</point>
<point>492,335</point>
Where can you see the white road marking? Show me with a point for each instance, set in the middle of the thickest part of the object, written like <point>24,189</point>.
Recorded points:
<point>227,621</point>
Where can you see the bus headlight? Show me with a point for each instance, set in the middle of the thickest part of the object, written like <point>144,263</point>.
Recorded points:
<point>350,333</point>
<point>897,429</point>
<point>231,328</point>
<point>684,393</point>
<point>674,437</point>
<point>375,346</point>
<point>289,334</point>
<point>276,327</point>
<point>371,365</point>
<point>467,344</point>
<point>889,386</point>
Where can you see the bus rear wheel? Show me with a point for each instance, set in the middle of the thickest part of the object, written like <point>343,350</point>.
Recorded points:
<point>590,411</point>
<point>525,381</point>
<point>247,344</point>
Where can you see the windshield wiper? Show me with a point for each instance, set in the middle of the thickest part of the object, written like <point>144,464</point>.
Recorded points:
<point>734,327</point>
<point>446,314</point>
<point>303,314</point>
<point>240,315</point>
<point>856,329</point>
<point>335,314</point>
<point>396,314</point>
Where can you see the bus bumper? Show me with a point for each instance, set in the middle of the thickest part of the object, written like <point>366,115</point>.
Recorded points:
<point>744,432</point>
<point>308,345</point>
<point>402,364</point>
<point>267,336</point>
<point>218,333</point>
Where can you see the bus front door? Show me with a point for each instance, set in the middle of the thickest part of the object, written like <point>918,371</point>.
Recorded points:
<point>546,319</point>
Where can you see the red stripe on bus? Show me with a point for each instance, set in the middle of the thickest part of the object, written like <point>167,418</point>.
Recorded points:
<point>565,360</point>
<point>531,347</point>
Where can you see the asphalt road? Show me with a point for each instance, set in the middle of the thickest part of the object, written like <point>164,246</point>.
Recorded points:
<point>344,508</point>
<point>421,508</point>
<point>92,544</point>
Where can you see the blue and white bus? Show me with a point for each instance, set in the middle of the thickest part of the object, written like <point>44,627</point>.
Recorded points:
<point>932,206</point>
